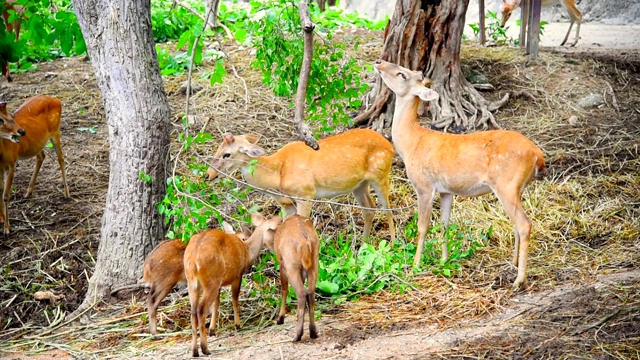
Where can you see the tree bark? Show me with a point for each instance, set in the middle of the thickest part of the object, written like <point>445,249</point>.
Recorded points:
<point>427,35</point>
<point>120,43</point>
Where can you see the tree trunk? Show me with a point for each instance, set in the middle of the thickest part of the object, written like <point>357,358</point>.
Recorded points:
<point>427,35</point>
<point>120,44</point>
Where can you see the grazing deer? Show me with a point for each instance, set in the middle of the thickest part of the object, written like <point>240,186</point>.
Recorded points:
<point>39,120</point>
<point>296,246</point>
<point>214,259</point>
<point>576,16</point>
<point>345,163</point>
<point>164,268</point>
<point>499,161</point>
<point>11,26</point>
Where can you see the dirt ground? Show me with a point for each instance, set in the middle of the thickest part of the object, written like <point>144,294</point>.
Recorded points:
<point>584,297</point>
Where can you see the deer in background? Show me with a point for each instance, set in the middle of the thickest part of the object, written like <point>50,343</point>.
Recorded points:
<point>214,259</point>
<point>499,161</point>
<point>570,5</point>
<point>164,268</point>
<point>297,248</point>
<point>11,26</point>
<point>39,120</point>
<point>345,163</point>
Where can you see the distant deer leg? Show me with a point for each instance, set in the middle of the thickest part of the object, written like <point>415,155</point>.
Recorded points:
<point>363,198</point>
<point>425,204</point>
<point>301,293</point>
<point>58,146</point>
<point>303,208</point>
<point>446,200</point>
<point>311,300</point>
<point>568,32</point>
<point>32,183</point>
<point>4,216</point>
<point>154,299</point>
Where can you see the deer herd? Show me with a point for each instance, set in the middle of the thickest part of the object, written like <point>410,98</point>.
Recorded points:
<point>499,161</point>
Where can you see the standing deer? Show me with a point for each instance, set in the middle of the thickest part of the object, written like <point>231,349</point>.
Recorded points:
<point>570,5</point>
<point>214,259</point>
<point>499,161</point>
<point>39,120</point>
<point>345,163</point>
<point>164,268</point>
<point>296,246</point>
<point>11,26</point>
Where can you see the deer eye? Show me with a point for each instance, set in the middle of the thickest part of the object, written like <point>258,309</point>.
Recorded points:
<point>402,75</point>
<point>227,155</point>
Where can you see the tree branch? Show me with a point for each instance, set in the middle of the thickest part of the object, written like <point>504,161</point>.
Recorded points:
<point>195,12</point>
<point>301,95</point>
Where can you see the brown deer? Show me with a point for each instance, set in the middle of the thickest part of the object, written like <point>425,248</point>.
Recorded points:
<point>296,246</point>
<point>499,161</point>
<point>39,119</point>
<point>345,163</point>
<point>576,16</point>
<point>164,268</point>
<point>214,259</point>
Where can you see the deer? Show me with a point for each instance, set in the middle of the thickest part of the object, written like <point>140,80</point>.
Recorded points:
<point>39,119</point>
<point>345,163</point>
<point>214,259</point>
<point>570,5</point>
<point>500,161</point>
<point>11,26</point>
<point>296,246</point>
<point>164,268</point>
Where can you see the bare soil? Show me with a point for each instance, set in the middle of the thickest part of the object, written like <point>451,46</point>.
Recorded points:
<point>583,303</point>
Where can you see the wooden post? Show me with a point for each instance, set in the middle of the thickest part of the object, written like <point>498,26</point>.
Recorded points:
<point>533,31</point>
<point>524,20</point>
<point>483,38</point>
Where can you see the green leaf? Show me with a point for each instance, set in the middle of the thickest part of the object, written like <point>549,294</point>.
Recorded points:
<point>328,287</point>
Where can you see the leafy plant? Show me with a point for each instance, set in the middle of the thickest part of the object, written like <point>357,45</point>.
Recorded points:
<point>334,82</point>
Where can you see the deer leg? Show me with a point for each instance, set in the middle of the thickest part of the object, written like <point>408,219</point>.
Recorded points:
<point>6,196</point>
<point>312,278</point>
<point>512,205</point>
<point>193,300</point>
<point>568,32</point>
<point>382,192</point>
<point>209,295</point>
<point>425,204</point>
<point>235,295</point>
<point>363,199</point>
<point>446,200</point>
<point>58,146</point>
<point>301,293</point>
<point>153,301</point>
<point>284,283</point>
<point>32,183</point>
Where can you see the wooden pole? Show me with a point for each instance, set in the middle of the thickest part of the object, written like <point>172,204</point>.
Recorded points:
<point>533,35</point>
<point>483,38</point>
<point>524,20</point>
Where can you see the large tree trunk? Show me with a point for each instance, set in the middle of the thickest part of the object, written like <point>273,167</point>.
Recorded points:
<point>426,35</point>
<point>120,44</point>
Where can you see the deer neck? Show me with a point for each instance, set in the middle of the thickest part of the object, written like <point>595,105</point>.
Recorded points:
<point>264,174</point>
<point>405,127</point>
<point>254,246</point>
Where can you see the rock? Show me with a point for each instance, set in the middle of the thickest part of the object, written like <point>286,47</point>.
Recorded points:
<point>195,87</point>
<point>590,101</point>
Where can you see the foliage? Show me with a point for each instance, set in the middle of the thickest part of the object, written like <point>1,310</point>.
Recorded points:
<point>334,82</point>
<point>49,30</point>
<point>190,205</point>
<point>169,21</point>
<point>346,272</point>
<point>497,33</point>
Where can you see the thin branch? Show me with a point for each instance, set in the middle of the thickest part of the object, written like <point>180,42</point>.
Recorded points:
<point>195,12</point>
<point>301,95</point>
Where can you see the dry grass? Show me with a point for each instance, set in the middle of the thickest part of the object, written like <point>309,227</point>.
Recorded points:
<point>585,211</point>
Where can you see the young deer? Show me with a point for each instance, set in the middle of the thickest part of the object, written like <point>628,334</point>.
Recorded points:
<point>570,5</point>
<point>214,259</point>
<point>39,117</point>
<point>164,268</point>
<point>11,26</point>
<point>501,161</point>
<point>296,246</point>
<point>345,163</point>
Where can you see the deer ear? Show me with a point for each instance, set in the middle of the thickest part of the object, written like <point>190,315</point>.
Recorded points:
<point>256,219</point>
<point>3,107</point>
<point>428,94</point>
<point>252,138</point>
<point>227,228</point>
<point>253,151</point>
<point>426,82</point>
<point>228,138</point>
